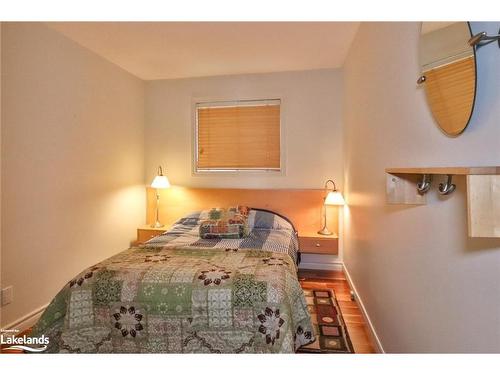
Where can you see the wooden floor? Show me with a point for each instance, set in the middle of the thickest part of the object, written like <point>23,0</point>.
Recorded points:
<point>356,325</point>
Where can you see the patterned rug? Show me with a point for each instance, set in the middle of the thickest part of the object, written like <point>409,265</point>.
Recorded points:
<point>329,326</point>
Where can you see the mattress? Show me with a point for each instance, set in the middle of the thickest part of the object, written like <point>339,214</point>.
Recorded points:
<point>180,294</point>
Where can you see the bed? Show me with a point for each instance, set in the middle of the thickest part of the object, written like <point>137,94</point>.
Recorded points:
<point>179,293</point>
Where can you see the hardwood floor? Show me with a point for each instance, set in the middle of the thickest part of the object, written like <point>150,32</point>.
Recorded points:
<point>356,325</point>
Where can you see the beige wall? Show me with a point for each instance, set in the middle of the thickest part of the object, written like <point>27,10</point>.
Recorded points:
<point>426,286</point>
<point>72,162</point>
<point>311,118</point>
<point>311,125</point>
<point>1,309</point>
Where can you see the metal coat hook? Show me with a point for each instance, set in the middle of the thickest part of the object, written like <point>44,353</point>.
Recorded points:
<point>482,39</point>
<point>424,185</point>
<point>448,187</point>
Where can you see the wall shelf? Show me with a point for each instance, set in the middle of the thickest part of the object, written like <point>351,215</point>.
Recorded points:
<point>447,170</point>
<point>483,193</point>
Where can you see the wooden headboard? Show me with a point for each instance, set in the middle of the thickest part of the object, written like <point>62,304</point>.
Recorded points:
<point>302,206</point>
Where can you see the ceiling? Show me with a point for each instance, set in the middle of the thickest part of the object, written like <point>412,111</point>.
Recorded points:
<point>428,27</point>
<point>165,50</point>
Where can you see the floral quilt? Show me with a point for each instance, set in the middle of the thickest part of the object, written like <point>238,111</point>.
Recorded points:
<point>184,300</point>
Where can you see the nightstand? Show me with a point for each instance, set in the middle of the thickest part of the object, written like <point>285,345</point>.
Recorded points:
<point>314,243</point>
<point>145,233</point>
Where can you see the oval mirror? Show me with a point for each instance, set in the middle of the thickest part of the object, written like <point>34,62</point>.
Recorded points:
<point>448,65</point>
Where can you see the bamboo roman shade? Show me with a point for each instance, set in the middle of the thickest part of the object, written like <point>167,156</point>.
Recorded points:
<point>450,93</point>
<point>242,135</point>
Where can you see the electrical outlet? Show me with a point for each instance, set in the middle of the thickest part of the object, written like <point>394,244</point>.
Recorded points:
<point>7,295</point>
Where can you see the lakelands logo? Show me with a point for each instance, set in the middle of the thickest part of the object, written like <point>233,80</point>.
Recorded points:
<point>10,342</point>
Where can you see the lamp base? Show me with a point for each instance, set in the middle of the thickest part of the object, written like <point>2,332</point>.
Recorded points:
<point>325,232</point>
<point>157,225</point>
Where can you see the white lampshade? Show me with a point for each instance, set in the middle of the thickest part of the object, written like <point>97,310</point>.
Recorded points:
<point>160,182</point>
<point>334,198</point>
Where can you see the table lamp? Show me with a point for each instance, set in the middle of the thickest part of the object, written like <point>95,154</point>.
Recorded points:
<point>332,198</point>
<point>159,182</point>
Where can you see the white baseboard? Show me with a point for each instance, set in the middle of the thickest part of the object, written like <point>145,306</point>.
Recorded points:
<point>26,321</point>
<point>321,266</point>
<point>379,348</point>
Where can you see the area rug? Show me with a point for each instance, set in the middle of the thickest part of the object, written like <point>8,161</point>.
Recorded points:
<point>329,326</point>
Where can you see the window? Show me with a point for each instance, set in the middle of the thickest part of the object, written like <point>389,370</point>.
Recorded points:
<point>239,135</point>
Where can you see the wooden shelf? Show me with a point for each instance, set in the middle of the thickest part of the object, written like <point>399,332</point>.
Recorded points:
<point>483,194</point>
<point>447,170</point>
<point>314,243</point>
<point>146,232</point>
<point>315,234</point>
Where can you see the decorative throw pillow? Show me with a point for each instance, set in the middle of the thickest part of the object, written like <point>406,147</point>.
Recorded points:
<point>225,223</point>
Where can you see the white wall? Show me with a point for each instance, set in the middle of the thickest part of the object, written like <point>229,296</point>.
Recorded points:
<point>311,121</point>
<point>426,286</point>
<point>72,162</point>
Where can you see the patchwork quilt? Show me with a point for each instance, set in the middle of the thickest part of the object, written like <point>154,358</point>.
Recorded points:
<point>181,300</point>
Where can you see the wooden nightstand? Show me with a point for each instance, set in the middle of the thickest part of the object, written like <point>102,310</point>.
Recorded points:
<point>145,233</point>
<point>314,243</point>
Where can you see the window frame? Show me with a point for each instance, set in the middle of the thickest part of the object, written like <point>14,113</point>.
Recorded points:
<point>224,102</point>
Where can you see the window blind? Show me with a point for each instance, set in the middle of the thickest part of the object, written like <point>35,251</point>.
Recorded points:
<point>243,135</point>
<point>450,92</point>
